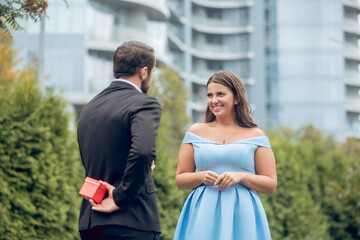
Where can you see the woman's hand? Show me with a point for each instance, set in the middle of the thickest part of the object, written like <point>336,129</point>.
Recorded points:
<point>227,179</point>
<point>209,177</point>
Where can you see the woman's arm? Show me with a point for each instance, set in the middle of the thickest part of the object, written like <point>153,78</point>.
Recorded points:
<point>186,177</point>
<point>265,179</point>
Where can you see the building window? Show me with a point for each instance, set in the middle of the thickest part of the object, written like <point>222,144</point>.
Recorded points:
<point>198,116</point>
<point>199,93</point>
<point>244,67</point>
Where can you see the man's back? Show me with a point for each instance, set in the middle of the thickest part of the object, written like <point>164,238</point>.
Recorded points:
<point>116,135</point>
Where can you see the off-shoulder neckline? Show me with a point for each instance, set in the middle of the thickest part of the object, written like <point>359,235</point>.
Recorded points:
<point>242,140</point>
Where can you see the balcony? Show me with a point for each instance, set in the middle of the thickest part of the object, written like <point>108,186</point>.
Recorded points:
<point>352,104</point>
<point>352,52</point>
<point>173,40</point>
<point>353,134</point>
<point>223,56</point>
<point>220,26</point>
<point>201,76</point>
<point>108,41</point>
<point>176,31</point>
<point>218,22</point>
<point>177,7</point>
<point>225,4</point>
<point>198,116</point>
<point>200,107</point>
<point>176,61</point>
<point>351,3</point>
<point>352,78</point>
<point>199,95</point>
<point>351,26</point>
<point>156,10</point>
<point>218,48</point>
<point>353,129</point>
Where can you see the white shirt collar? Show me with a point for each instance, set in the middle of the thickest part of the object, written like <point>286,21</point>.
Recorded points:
<point>129,82</point>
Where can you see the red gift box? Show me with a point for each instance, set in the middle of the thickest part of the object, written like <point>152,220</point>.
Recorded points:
<point>93,189</point>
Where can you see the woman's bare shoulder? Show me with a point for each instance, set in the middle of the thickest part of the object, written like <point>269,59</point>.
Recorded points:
<point>256,132</point>
<point>198,128</point>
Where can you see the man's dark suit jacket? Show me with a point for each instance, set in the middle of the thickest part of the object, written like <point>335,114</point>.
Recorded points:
<point>116,135</point>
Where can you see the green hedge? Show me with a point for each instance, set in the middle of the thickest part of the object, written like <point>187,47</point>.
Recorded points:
<point>40,170</point>
<point>318,194</point>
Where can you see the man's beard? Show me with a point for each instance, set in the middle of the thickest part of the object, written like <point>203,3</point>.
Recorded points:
<point>145,85</point>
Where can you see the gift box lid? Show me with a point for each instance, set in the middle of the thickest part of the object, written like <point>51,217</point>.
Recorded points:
<point>95,182</point>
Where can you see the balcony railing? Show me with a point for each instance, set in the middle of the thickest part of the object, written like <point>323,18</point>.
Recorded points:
<point>224,3</point>
<point>177,31</point>
<point>117,34</point>
<point>352,3</point>
<point>352,78</point>
<point>177,60</point>
<point>199,98</point>
<point>355,100</point>
<point>203,72</point>
<point>198,106</point>
<point>217,22</point>
<point>177,7</point>
<point>229,1</point>
<point>108,41</point>
<point>352,74</point>
<point>354,126</point>
<point>353,104</point>
<point>121,34</point>
<point>352,50</point>
<point>157,8</point>
<point>219,48</point>
<point>352,24</point>
<point>206,73</point>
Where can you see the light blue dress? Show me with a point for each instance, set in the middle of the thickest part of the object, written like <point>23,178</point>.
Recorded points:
<point>235,213</point>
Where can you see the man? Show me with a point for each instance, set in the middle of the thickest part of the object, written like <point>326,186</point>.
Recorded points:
<point>116,135</point>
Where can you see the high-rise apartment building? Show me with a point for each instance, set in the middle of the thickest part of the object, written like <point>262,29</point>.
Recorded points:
<point>313,65</point>
<point>205,36</point>
<point>298,59</point>
<point>80,41</point>
<point>351,77</point>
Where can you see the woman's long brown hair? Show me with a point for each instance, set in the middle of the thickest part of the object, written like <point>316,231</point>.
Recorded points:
<point>242,109</point>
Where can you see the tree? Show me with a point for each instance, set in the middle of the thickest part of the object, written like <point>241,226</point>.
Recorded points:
<point>40,169</point>
<point>291,211</point>
<point>342,202</point>
<point>318,186</point>
<point>11,11</point>
<point>171,92</point>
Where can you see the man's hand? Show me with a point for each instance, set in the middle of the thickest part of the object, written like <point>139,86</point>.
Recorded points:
<point>107,205</point>
<point>153,165</point>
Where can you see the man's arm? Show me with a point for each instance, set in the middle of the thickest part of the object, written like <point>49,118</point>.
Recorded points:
<point>144,124</point>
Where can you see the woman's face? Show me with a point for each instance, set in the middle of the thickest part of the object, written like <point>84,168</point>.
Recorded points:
<point>220,100</point>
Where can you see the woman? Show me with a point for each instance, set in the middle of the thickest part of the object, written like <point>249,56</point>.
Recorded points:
<point>226,161</point>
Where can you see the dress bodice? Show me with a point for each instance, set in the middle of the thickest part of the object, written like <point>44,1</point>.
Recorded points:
<point>237,156</point>
<point>233,213</point>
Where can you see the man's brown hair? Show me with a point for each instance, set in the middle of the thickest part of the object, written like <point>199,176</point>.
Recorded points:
<point>131,56</point>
